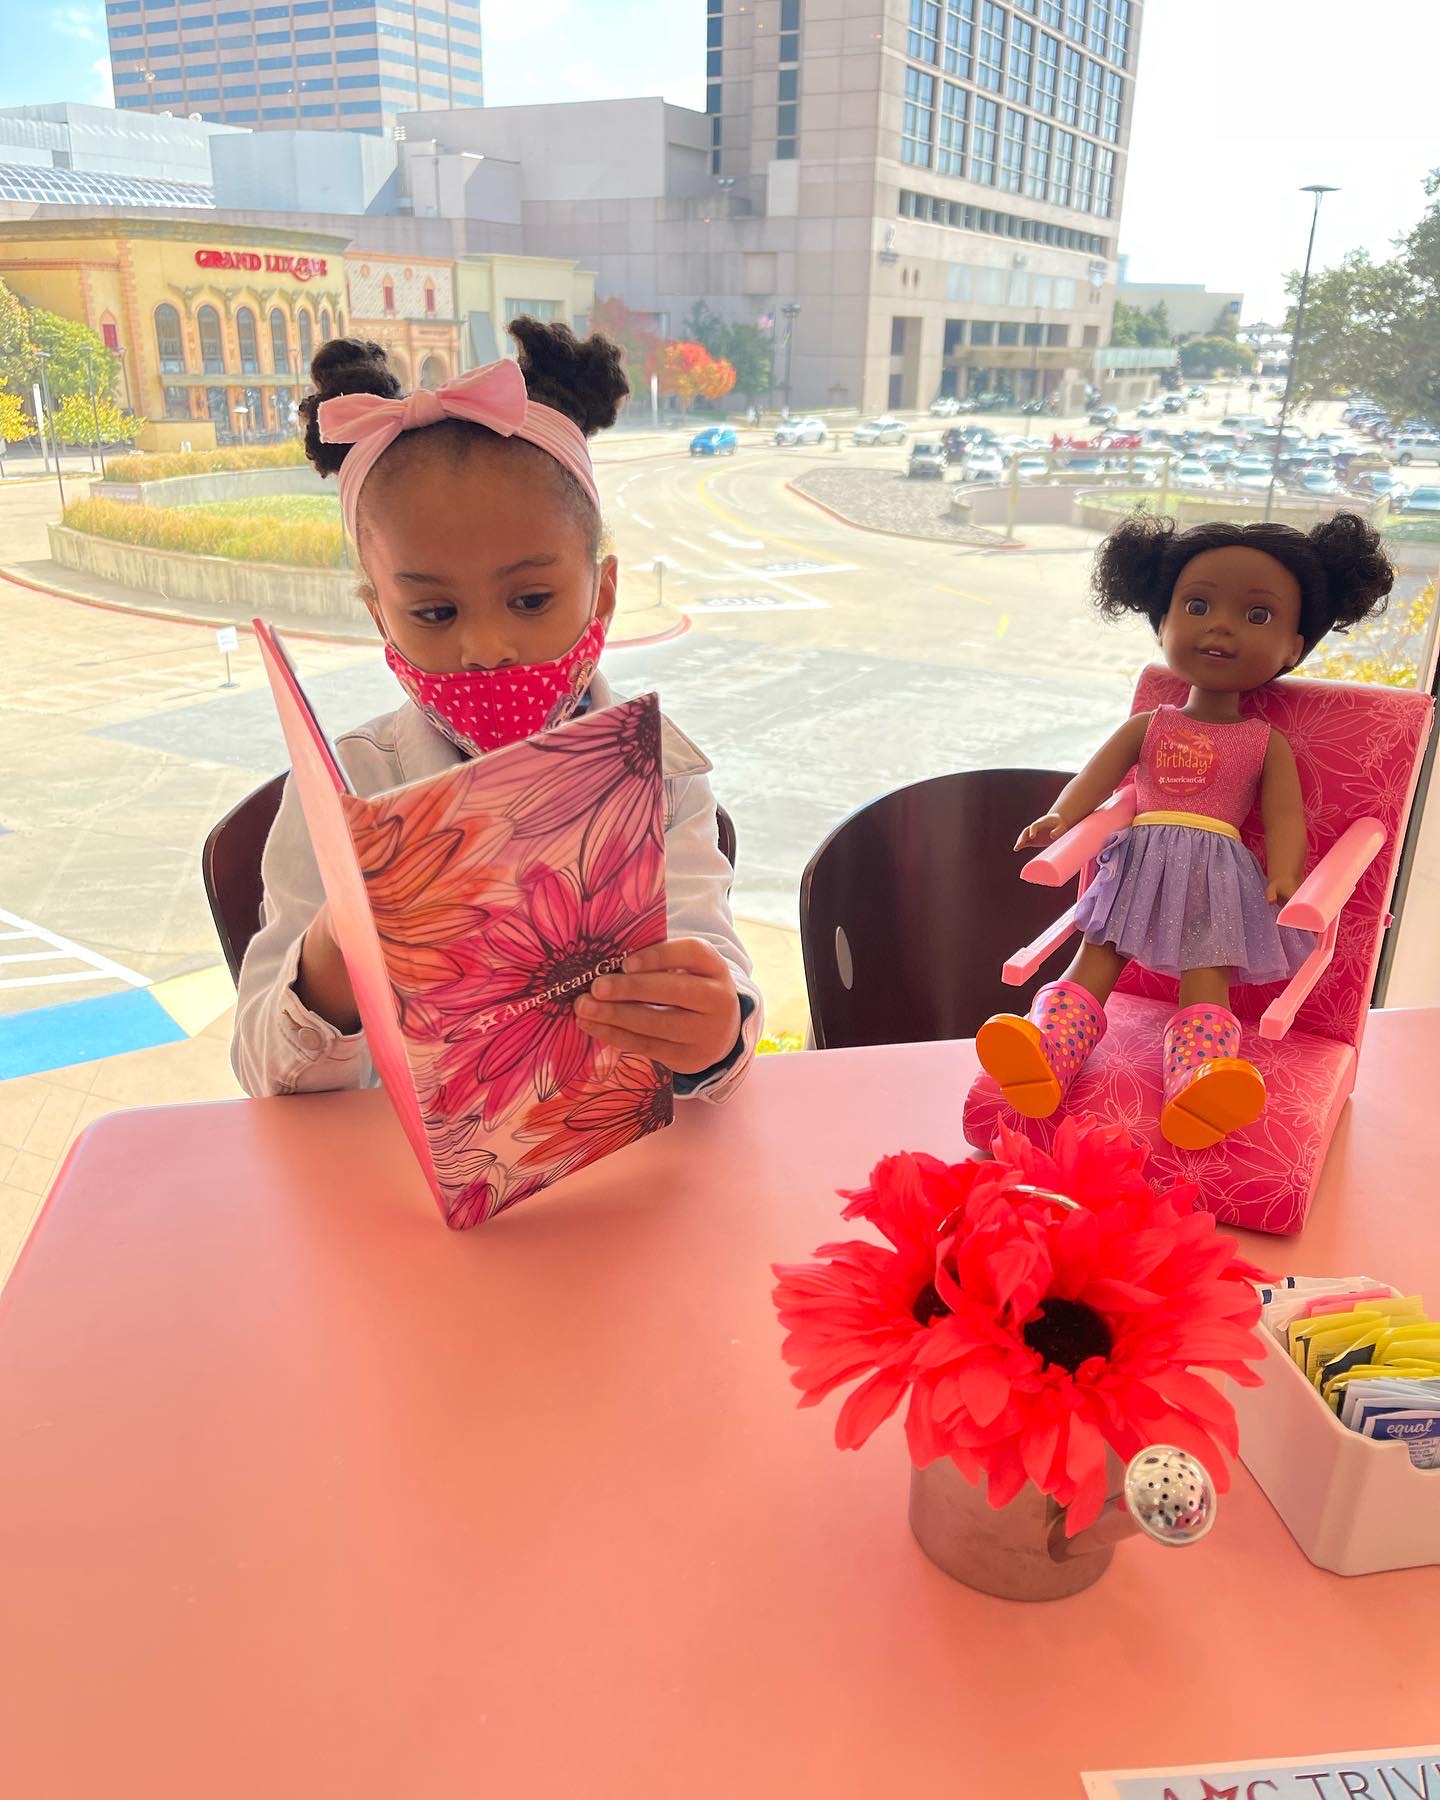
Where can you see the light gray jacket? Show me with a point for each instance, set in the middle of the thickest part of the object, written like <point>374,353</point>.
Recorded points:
<point>281,1047</point>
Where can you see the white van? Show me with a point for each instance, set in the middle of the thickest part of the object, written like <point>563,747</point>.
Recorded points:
<point>1416,447</point>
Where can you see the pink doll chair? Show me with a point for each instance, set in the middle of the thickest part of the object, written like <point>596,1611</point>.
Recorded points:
<point>1359,752</point>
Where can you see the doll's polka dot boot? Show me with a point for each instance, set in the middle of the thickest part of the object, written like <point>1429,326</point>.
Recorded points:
<point>1035,1059</point>
<point>1210,1090</point>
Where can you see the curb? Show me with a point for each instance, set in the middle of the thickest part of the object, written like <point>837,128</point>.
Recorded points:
<point>215,622</point>
<point>912,537</point>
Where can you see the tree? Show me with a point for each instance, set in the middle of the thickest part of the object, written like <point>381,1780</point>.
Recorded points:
<point>74,354</point>
<point>632,332</point>
<point>15,424</point>
<point>75,421</point>
<point>749,351</point>
<point>707,328</point>
<point>680,367</point>
<point>1133,325</point>
<point>15,350</point>
<point>1372,327</point>
<point>715,378</point>
<point>1227,324</point>
<point>1203,357</point>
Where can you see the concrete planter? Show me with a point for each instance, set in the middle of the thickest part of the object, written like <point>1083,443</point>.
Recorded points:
<point>212,581</point>
<point>224,484</point>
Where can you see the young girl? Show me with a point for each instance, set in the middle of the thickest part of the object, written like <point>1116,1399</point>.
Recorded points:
<point>1233,607</point>
<point>476,518</point>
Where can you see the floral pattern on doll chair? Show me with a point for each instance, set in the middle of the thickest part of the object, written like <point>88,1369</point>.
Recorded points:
<point>1359,752</point>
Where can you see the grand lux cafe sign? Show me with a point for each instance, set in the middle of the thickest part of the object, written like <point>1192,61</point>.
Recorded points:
<point>303,268</point>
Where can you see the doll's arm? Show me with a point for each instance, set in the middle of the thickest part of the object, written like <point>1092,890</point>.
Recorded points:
<point>1095,783</point>
<point>1283,811</point>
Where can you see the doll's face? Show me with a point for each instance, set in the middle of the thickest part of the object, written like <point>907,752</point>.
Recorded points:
<point>1233,622</point>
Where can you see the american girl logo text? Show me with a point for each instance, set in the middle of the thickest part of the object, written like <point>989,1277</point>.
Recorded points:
<point>504,1015</point>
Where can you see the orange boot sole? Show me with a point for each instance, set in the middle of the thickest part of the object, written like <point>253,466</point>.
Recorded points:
<point>1221,1097</point>
<point>1012,1051</point>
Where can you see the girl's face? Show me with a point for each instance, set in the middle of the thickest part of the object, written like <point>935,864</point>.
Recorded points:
<point>476,564</point>
<point>1233,622</point>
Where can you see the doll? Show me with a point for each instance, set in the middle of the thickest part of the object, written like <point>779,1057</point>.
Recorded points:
<point>1233,607</point>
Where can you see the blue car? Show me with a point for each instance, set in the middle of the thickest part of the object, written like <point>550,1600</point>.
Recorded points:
<point>715,440</point>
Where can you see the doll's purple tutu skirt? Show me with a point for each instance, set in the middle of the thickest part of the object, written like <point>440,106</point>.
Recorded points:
<point>1173,897</point>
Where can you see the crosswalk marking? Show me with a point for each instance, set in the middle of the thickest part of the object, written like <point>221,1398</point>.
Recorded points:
<point>93,966</point>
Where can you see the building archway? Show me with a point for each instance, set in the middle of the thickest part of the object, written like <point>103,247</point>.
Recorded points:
<point>433,371</point>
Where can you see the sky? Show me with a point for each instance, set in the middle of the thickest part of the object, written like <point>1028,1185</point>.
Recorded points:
<point>1239,104</point>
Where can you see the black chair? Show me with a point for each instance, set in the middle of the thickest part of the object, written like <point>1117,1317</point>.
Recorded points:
<point>726,827</point>
<point>230,865</point>
<point>910,908</point>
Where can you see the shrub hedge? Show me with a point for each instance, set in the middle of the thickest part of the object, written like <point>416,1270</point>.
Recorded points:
<point>207,462</point>
<point>214,531</point>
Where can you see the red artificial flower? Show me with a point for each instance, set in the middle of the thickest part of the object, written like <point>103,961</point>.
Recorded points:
<point>1031,1337</point>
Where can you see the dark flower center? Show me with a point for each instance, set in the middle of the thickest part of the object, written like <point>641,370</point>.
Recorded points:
<point>1068,1332</point>
<point>929,1306</point>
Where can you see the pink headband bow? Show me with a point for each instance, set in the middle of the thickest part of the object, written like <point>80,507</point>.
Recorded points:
<point>493,396</point>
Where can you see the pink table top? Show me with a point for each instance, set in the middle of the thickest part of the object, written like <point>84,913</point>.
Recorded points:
<point>302,1495</point>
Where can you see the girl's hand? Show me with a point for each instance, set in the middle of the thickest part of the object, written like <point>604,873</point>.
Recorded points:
<point>675,1003</point>
<point>1043,831</point>
<point>1281,888</point>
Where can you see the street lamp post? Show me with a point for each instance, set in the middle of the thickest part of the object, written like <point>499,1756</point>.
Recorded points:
<point>1319,190</point>
<point>94,410</point>
<point>44,358</point>
<point>1039,333</point>
<point>791,310</point>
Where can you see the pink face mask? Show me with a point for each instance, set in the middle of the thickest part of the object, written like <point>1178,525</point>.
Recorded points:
<point>485,709</point>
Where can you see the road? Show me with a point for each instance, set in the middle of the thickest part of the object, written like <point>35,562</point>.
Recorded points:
<point>823,665</point>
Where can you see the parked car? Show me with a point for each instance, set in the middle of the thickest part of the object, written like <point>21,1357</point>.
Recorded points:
<point>1423,500</point>
<point>887,429</point>
<point>957,444</point>
<point>715,440</point>
<point>1032,468</point>
<point>927,462</point>
<point>1380,484</point>
<point>801,431</point>
<point>1103,415</point>
<point>1176,403</point>
<point>1195,393</point>
<point>984,465</point>
<point>1319,482</point>
<point>1087,465</point>
<point>1190,472</point>
<point>1150,409</point>
<point>944,406</point>
<point>1414,446</point>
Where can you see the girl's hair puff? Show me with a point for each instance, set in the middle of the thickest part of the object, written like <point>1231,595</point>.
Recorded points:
<point>1343,571</point>
<point>582,378</point>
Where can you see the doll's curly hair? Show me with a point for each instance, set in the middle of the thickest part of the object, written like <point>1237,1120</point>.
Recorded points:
<point>1343,572</point>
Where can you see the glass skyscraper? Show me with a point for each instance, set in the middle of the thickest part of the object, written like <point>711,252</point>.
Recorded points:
<point>351,65</point>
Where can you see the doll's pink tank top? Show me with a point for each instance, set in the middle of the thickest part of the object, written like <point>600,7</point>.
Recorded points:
<point>1208,771</point>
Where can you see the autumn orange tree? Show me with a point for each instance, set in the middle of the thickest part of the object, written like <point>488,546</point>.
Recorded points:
<point>689,372</point>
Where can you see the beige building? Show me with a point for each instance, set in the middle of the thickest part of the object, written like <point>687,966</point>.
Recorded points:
<point>209,325</point>
<point>920,196</point>
<point>406,304</point>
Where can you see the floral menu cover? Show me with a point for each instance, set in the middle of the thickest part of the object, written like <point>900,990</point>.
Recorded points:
<point>472,909</point>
